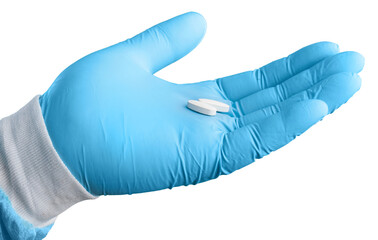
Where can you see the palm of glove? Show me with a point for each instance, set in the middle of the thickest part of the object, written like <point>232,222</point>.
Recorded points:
<point>120,129</point>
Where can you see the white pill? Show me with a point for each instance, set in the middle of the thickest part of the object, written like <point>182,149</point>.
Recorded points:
<point>201,107</point>
<point>221,107</point>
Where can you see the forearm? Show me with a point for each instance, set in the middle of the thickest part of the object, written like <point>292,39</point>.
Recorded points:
<point>35,184</point>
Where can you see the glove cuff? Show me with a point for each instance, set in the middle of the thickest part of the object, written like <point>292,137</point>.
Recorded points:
<point>36,181</point>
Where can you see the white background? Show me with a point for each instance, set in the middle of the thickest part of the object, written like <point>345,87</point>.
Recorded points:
<point>323,185</point>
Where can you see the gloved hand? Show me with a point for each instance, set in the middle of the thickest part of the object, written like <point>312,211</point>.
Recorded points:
<point>107,125</point>
<point>121,130</point>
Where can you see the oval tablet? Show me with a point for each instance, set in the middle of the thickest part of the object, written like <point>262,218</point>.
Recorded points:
<point>219,106</point>
<point>201,107</point>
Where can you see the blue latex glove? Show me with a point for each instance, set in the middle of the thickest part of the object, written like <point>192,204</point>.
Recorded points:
<point>121,130</point>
